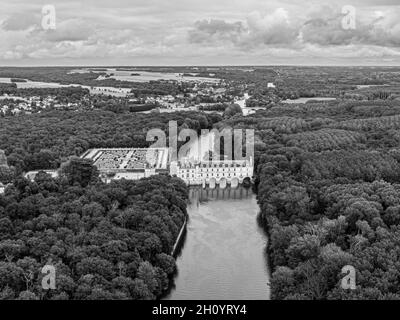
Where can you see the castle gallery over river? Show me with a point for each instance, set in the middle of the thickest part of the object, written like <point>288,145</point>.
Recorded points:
<point>137,163</point>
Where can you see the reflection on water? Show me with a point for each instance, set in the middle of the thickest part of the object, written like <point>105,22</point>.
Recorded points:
<point>223,256</point>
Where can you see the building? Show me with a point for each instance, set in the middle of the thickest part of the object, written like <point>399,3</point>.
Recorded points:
<point>137,163</point>
<point>211,173</point>
<point>31,175</point>
<point>128,163</point>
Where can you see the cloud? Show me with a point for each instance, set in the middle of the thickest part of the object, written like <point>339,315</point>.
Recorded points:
<point>69,30</point>
<point>189,31</point>
<point>272,29</point>
<point>322,26</point>
<point>377,2</point>
<point>378,29</point>
<point>11,55</point>
<point>20,21</point>
<point>215,30</point>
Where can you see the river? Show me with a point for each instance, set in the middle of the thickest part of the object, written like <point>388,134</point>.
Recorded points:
<point>224,251</point>
<point>305,100</point>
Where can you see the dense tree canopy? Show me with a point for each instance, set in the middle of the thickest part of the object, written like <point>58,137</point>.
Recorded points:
<point>326,176</point>
<point>327,181</point>
<point>106,241</point>
<point>44,140</point>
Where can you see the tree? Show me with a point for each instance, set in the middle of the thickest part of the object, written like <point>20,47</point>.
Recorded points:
<point>30,269</point>
<point>11,249</point>
<point>282,282</point>
<point>80,171</point>
<point>232,110</point>
<point>27,295</point>
<point>147,273</point>
<point>7,174</point>
<point>140,291</point>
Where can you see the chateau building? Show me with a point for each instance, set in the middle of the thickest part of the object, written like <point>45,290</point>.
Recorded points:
<point>137,163</point>
<point>213,172</point>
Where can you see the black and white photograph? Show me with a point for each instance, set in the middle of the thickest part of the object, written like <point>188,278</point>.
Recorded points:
<point>199,155</point>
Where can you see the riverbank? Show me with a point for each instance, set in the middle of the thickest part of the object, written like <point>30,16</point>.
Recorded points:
<point>179,239</point>
<point>222,254</point>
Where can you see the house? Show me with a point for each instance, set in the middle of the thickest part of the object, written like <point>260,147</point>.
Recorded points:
<point>31,175</point>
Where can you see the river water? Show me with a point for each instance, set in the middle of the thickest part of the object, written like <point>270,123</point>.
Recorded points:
<point>304,100</point>
<point>223,255</point>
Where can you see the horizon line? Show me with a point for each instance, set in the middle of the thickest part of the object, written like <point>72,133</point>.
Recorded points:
<point>198,65</point>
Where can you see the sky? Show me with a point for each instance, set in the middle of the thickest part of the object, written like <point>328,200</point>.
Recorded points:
<point>199,32</point>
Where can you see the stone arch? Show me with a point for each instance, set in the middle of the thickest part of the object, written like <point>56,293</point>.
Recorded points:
<point>212,183</point>
<point>247,182</point>
<point>234,182</point>
<point>222,183</point>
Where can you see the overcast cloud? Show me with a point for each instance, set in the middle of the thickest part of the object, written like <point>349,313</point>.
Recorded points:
<point>207,32</point>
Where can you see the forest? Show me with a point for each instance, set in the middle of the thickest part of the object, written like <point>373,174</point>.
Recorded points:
<point>106,241</point>
<point>47,139</point>
<point>327,182</point>
<point>65,94</point>
<point>65,76</point>
<point>327,179</point>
